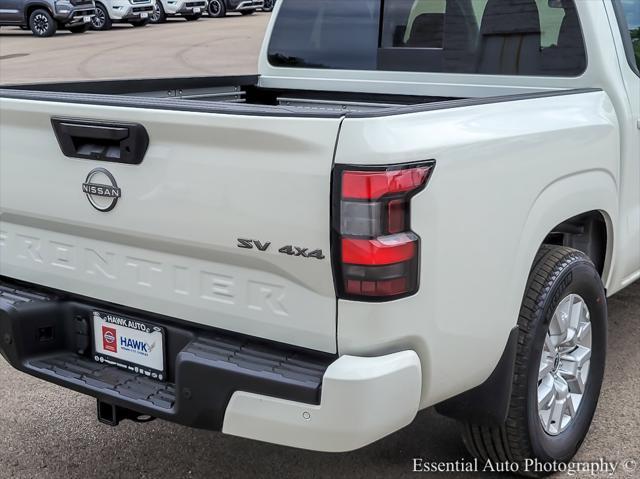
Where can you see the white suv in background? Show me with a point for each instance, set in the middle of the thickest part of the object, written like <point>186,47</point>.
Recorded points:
<point>108,12</point>
<point>189,9</point>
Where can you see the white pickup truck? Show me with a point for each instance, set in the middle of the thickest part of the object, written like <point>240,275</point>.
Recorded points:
<point>415,204</point>
<point>134,12</point>
<point>191,10</point>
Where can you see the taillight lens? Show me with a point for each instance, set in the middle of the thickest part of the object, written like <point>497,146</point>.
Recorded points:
<point>376,255</point>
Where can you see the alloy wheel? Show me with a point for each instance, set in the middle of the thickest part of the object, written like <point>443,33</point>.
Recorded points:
<point>98,19</point>
<point>564,366</point>
<point>214,7</point>
<point>155,15</point>
<point>40,24</point>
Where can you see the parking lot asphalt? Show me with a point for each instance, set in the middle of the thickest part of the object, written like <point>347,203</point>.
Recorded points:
<point>49,432</point>
<point>210,46</point>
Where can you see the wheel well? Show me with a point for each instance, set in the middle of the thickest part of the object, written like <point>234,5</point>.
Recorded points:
<point>587,233</point>
<point>37,6</point>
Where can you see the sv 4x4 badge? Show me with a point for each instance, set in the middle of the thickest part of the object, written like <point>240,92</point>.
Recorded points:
<point>289,250</point>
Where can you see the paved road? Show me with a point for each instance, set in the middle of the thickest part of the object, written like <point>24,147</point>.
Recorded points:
<point>207,47</point>
<point>48,432</point>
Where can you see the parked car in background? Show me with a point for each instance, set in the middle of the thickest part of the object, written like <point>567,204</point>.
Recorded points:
<point>108,12</point>
<point>268,5</point>
<point>219,8</point>
<point>190,10</point>
<point>45,17</point>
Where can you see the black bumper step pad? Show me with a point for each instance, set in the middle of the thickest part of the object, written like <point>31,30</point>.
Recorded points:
<point>280,365</point>
<point>12,296</point>
<point>49,334</point>
<point>127,384</point>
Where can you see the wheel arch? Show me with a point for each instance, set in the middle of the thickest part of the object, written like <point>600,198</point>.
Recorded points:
<point>32,6</point>
<point>568,205</point>
<point>588,232</point>
<point>579,211</point>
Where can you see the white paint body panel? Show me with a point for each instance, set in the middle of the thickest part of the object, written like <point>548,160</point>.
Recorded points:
<point>507,173</point>
<point>178,7</point>
<point>477,246</point>
<point>363,400</point>
<point>118,10</point>
<point>170,244</point>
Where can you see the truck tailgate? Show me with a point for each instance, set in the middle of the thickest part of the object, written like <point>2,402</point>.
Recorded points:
<point>171,243</point>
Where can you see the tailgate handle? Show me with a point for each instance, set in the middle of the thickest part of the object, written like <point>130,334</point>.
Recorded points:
<point>101,140</point>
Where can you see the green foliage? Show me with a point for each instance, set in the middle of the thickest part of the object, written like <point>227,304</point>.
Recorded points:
<point>635,37</point>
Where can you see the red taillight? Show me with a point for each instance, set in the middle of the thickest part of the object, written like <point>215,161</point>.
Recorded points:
<point>371,185</point>
<point>396,214</point>
<point>379,251</point>
<point>376,254</point>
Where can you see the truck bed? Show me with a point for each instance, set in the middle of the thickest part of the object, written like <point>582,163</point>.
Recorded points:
<point>243,95</point>
<point>191,198</point>
<point>242,91</point>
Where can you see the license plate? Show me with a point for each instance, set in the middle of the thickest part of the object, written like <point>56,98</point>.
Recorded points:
<point>86,19</point>
<point>196,10</point>
<point>144,15</point>
<point>130,344</point>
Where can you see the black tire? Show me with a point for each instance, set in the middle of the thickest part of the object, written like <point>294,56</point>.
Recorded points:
<point>101,20</point>
<point>80,28</point>
<point>268,5</point>
<point>42,23</point>
<point>217,8</point>
<point>247,12</point>
<point>192,18</point>
<point>557,273</point>
<point>140,23</point>
<point>158,15</point>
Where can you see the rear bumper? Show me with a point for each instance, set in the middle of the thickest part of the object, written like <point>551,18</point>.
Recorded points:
<point>363,400</point>
<point>216,381</point>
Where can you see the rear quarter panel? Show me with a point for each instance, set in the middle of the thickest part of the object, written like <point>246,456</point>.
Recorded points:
<point>506,174</point>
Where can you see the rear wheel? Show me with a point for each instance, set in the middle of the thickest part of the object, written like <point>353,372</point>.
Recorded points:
<point>268,5</point>
<point>42,23</point>
<point>158,15</point>
<point>559,365</point>
<point>101,20</point>
<point>80,28</point>
<point>192,18</point>
<point>216,8</point>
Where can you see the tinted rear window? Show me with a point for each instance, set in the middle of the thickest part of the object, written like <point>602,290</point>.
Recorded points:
<point>495,37</point>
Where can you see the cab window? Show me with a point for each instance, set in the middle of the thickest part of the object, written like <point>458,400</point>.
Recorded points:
<point>494,37</point>
<point>491,37</point>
